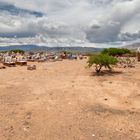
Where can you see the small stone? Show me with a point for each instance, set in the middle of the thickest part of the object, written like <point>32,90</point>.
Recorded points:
<point>121,129</point>
<point>126,102</point>
<point>93,135</point>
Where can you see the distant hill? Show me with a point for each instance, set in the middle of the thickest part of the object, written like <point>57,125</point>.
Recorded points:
<point>51,49</point>
<point>134,46</point>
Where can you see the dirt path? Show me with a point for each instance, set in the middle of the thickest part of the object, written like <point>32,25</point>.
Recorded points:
<point>62,101</point>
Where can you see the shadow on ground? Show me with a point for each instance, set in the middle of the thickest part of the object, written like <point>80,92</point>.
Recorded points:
<point>106,73</point>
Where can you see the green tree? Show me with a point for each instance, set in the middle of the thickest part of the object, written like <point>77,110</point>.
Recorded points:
<point>101,60</point>
<point>116,51</point>
<point>17,51</point>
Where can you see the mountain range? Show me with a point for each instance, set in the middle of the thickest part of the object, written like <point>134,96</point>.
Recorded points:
<point>50,49</point>
<point>133,46</point>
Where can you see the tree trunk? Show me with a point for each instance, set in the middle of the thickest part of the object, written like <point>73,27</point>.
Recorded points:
<point>98,68</point>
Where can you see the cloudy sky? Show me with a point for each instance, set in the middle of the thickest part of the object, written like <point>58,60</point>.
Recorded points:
<point>94,23</point>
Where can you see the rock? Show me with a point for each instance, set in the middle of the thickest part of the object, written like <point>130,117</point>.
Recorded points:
<point>31,67</point>
<point>93,135</point>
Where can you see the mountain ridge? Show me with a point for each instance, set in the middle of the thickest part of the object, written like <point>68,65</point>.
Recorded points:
<point>53,49</point>
<point>133,46</point>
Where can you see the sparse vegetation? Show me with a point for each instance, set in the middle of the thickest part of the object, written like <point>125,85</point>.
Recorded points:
<point>102,60</point>
<point>17,51</point>
<point>116,51</point>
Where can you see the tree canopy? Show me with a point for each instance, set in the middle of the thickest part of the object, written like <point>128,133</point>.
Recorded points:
<point>101,60</point>
<point>17,51</point>
<point>116,51</point>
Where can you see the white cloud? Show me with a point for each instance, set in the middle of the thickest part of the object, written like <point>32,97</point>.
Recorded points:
<point>72,22</point>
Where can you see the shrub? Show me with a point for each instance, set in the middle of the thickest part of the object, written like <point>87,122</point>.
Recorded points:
<point>101,60</point>
<point>17,51</point>
<point>116,51</point>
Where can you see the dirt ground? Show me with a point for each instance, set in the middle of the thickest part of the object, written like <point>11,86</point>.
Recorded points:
<point>66,101</point>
